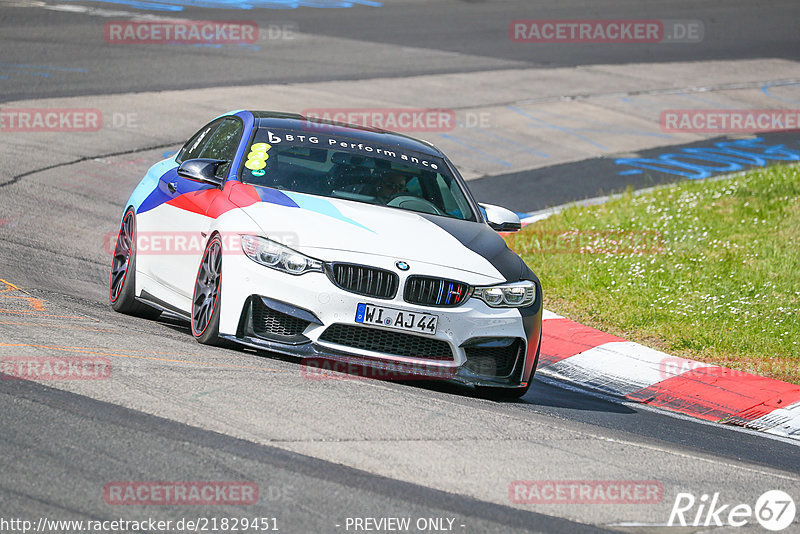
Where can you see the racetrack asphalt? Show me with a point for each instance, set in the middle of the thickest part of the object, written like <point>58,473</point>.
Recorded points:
<point>325,450</point>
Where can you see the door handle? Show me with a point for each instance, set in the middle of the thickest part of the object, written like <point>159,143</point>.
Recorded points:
<point>172,186</point>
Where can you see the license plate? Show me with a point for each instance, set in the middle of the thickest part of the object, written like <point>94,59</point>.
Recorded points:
<point>422,323</point>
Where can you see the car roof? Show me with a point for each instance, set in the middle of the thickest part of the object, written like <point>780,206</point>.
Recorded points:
<point>294,121</point>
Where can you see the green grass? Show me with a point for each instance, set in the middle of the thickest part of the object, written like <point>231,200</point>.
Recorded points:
<point>707,270</point>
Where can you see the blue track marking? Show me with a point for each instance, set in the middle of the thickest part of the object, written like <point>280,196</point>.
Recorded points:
<point>593,126</point>
<point>637,102</point>
<point>766,89</point>
<point>40,71</point>
<point>697,163</point>
<point>477,150</point>
<point>544,124</point>
<point>507,141</point>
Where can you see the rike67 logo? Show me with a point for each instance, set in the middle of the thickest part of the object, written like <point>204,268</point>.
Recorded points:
<point>774,510</point>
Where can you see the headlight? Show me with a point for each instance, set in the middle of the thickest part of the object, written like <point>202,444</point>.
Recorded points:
<point>513,295</point>
<point>276,256</point>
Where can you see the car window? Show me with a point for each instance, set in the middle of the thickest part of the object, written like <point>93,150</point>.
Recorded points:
<point>197,142</point>
<point>451,196</point>
<point>223,144</point>
<point>353,170</point>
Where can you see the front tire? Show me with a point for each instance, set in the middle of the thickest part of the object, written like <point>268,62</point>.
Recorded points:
<point>122,281</point>
<point>206,297</point>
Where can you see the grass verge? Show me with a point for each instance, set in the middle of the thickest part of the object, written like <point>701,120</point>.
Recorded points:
<point>707,270</point>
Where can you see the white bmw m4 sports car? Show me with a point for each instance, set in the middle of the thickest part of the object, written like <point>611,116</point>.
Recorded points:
<point>330,241</point>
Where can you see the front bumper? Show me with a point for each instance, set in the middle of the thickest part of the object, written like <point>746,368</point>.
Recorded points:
<point>309,317</point>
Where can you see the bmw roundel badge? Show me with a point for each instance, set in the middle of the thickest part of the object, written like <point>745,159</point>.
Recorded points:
<point>403,266</point>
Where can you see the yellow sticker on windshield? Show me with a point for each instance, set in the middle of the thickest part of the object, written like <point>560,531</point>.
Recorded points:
<point>255,164</point>
<point>258,156</point>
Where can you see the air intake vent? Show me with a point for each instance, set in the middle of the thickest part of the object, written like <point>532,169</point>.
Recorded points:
<point>363,280</point>
<point>429,291</point>
<point>493,359</point>
<point>392,343</point>
<point>271,323</point>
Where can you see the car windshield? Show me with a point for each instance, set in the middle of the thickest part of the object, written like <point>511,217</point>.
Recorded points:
<point>331,165</point>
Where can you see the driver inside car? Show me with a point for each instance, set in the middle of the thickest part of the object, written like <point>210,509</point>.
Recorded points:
<point>390,185</point>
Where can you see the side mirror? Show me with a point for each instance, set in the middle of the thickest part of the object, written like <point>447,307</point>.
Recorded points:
<point>202,170</point>
<point>501,219</point>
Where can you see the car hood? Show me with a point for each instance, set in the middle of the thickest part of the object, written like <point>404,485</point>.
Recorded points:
<point>330,229</point>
